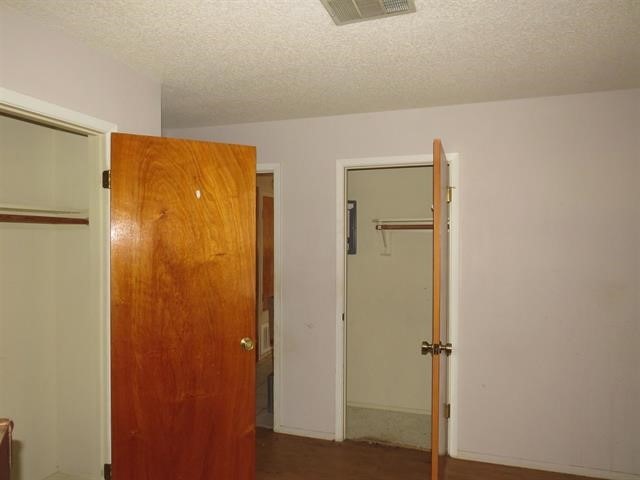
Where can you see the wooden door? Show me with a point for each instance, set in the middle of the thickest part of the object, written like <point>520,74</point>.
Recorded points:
<point>182,298</point>
<point>440,304</point>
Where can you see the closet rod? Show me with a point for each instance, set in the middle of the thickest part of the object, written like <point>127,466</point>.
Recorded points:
<point>418,226</point>
<point>13,218</point>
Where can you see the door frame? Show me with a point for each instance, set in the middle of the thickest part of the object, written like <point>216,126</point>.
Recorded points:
<point>342,166</point>
<point>52,114</point>
<point>276,171</point>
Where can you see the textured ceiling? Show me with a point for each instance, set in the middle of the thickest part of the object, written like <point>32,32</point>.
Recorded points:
<point>231,61</point>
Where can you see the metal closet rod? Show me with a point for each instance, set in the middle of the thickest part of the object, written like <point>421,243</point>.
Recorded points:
<point>403,223</point>
<point>406,226</point>
<point>49,220</point>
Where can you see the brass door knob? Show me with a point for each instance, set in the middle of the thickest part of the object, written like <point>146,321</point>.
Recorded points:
<point>247,344</point>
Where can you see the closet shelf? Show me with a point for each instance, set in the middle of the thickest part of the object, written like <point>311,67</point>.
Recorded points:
<point>10,213</point>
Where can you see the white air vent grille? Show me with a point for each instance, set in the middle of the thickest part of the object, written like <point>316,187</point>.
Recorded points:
<point>349,11</point>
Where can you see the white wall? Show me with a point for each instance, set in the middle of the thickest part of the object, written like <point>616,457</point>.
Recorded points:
<point>27,345</point>
<point>44,63</point>
<point>27,300</point>
<point>550,275</point>
<point>78,316</point>
<point>389,296</point>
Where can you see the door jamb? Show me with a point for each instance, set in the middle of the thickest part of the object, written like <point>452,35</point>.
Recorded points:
<point>275,169</point>
<point>342,166</point>
<point>49,113</point>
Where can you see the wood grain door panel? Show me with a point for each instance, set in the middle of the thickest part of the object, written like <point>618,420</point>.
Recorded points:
<point>182,298</point>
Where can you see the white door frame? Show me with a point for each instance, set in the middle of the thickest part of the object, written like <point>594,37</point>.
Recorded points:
<point>342,166</point>
<point>274,168</point>
<point>49,113</point>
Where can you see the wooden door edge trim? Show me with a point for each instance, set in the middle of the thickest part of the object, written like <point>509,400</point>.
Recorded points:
<point>436,307</point>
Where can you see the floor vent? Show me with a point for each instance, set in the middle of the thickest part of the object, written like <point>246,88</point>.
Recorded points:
<point>350,11</point>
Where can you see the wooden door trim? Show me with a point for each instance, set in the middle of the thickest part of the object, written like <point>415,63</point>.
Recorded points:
<point>342,165</point>
<point>278,323</point>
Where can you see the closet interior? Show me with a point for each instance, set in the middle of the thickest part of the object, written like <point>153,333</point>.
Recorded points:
<point>389,301</point>
<point>52,299</point>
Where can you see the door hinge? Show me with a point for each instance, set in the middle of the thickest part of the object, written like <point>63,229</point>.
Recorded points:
<point>435,349</point>
<point>106,179</point>
<point>447,410</point>
<point>107,471</point>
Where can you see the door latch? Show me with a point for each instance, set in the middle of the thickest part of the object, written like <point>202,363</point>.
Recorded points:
<point>436,349</point>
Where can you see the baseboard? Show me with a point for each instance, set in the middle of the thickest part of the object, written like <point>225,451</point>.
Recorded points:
<point>389,408</point>
<point>65,476</point>
<point>301,432</point>
<point>549,467</point>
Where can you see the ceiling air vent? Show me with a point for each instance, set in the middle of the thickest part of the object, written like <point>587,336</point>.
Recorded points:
<point>350,11</point>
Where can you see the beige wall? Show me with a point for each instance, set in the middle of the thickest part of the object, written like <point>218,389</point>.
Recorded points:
<point>44,63</point>
<point>550,273</point>
<point>50,332</point>
<point>389,296</point>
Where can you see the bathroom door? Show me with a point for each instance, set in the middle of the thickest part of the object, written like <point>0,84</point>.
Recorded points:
<point>182,309</point>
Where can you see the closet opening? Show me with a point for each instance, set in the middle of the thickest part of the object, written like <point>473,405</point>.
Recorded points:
<point>388,305</point>
<point>53,289</point>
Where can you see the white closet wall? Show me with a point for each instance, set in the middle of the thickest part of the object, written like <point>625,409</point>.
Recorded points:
<point>50,331</point>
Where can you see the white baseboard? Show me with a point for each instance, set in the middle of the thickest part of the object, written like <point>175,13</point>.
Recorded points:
<point>549,467</point>
<point>389,408</point>
<point>301,432</point>
<point>65,476</point>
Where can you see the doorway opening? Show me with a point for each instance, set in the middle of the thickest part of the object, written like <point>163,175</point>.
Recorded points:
<point>265,300</point>
<point>391,233</point>
<point>55,277</point>
<point>388,306</point>
<point>268,296</point>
